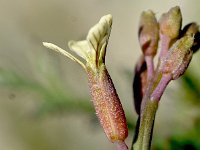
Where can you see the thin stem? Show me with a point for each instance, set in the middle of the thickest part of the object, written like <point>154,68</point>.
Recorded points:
<point>146,127</point>
<point>121,145</point>
<point>150,67</point>
<point>165,44</point>
<point>156,95</point>
<point>150,101</point>
<point>145,118</point>
<point>148,123</point>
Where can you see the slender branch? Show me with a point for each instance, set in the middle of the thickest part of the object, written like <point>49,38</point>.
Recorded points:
<point>165,44</point>
<point>150,67</point>
<point>149,109</point>
<point>146,127</point>
<point>156,95</point>
<point>121,145</point>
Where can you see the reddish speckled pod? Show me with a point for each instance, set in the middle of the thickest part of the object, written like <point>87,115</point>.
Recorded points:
<point>107,104</point>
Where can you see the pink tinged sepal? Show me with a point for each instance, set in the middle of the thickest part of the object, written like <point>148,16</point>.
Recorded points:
<point>170,23</point>
<point>148,33</point>
<point>178,57</point>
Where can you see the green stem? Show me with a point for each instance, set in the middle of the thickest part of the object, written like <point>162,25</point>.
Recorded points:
<point>149,108</point>
<point>146,126</point>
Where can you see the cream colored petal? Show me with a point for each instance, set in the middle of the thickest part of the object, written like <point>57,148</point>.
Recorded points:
<point>93,49</point>
<point>63,52</point>
<point>98,37</point>
<point>81,48</point>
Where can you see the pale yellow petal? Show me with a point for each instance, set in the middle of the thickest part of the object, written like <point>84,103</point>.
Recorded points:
<point>63,52</point>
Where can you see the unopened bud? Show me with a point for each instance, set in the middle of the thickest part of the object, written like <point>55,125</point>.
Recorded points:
<point>190,29</point>
<point>170,23</point>
<point>193,30</point>
<point>148,33</point>
<point>178,57</point>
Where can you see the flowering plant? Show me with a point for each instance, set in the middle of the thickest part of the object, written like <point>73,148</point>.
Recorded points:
<point>177,48</point>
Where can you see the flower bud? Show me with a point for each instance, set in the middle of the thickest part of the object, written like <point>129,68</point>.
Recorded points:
<point>170,23</point>
<point>178,57</point>
<point>193,30</point>
<point>148,33</point>
<point>190,29</point>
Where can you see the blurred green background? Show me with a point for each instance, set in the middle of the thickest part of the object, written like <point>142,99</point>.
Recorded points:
<point>44,98</point>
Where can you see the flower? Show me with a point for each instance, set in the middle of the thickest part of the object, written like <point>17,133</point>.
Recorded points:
<point>104,96</point>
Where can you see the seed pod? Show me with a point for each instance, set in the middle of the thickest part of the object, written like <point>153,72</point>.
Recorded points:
<point>148,33</point>
<point>178,57</point>
<point>170,23</point>
<point>104,96</point>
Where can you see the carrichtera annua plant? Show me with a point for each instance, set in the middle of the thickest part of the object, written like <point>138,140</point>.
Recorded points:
<point>177,48</point>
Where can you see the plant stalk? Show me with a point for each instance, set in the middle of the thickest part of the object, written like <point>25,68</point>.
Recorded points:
<point>146,126</point>
<point>149,108</point>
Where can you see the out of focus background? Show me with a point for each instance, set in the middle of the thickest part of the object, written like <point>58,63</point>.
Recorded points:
<point>44,98</point>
